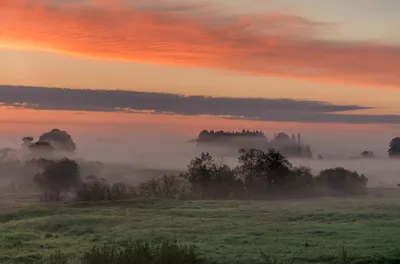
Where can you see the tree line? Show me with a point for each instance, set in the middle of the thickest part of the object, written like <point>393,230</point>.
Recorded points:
<point>290,146</point>
<point>258,175</point>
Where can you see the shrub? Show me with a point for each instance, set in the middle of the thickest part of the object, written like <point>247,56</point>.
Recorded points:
<point>167,186</point>
<point>341,181</point>
<point>94,189</point>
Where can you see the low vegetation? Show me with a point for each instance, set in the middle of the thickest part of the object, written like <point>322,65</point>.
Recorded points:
<point>226,232</point>
<point>140,252</point>
<point>94,189</point>
<point>167,252</point>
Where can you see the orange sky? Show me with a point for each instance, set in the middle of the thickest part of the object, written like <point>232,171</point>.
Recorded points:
<point>184,125</point>
<point>197,35</point>
<point>193,49</point>
<point>54,70</point>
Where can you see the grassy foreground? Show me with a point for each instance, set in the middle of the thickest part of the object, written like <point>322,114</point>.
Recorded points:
<point>227,231</point>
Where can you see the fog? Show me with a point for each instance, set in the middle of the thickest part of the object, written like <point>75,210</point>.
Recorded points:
<point>175,154</point>
<point>134,157</point>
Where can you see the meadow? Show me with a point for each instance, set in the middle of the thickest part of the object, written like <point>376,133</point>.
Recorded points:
<point>296,231</point>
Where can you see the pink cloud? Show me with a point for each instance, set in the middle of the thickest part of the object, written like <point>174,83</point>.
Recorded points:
<point>197,35</point>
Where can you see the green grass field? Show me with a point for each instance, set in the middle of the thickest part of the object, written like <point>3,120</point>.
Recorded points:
<point>228,231</point>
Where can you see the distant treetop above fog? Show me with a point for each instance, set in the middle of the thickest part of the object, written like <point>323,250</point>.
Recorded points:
<point>291,146</point>
<point>205,134</point>
<point>48,145</point>
<point>394,148</point>
<point>59,139</point>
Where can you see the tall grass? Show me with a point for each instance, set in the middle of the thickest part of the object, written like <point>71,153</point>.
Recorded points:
<point>142,252</point>
<point>169,252</point>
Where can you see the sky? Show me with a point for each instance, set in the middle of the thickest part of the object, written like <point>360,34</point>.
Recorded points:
<point>179,66</point>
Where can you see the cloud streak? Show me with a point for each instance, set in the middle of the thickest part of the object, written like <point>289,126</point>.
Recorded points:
<point>196,35</point>
<point>281,110</point>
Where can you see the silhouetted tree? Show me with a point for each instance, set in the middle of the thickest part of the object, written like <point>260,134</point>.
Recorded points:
<point>394,148</point>
<point>201,172</point>
<point>290,146</point>
<point>212,180</point>
<point>59,139</point>
<point>263,171</point>
<point>57,176</point>
<point>282,137</point>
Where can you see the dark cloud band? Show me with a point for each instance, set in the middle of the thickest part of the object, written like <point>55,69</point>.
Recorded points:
<point>284,110</point>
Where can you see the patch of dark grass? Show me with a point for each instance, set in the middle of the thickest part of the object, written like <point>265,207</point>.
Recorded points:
<point>56,258</point>
<point>25,214</point>
<point>169,252</point>
<point>138,203</point>
<point>140,252</point>
<point>16,240</point>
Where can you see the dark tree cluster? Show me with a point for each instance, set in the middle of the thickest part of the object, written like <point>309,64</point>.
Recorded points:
<point>258,175</point>
<point>210,179</point>
<point>339,180</point>
<point>57,176</point>
<point>49,143</point>
<point>262,174</point>
<point>209,135</point>
<point>229,137</point>
<point>59,139</point>
<point>290,146</point>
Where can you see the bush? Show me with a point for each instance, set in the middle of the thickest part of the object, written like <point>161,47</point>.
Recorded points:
<point>341,181</point>
<point>168,186</point>
<point>100,190</point>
